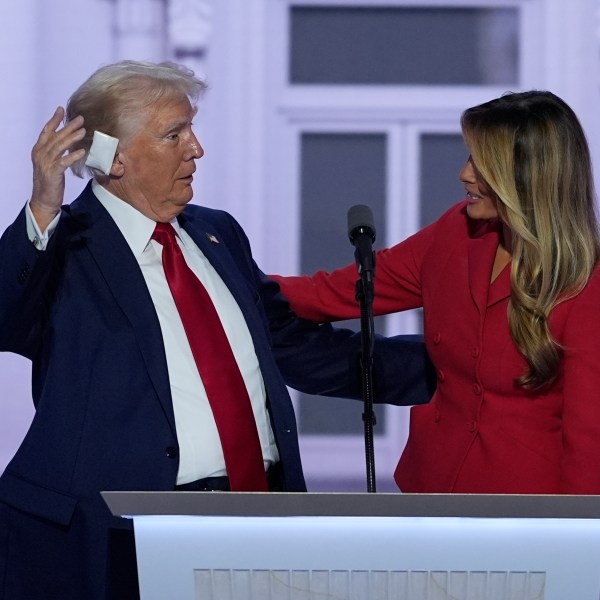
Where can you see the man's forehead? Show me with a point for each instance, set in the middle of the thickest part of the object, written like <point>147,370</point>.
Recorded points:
<point>171,113</point>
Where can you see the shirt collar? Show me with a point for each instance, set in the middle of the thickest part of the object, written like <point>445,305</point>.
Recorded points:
<point>137,229</point>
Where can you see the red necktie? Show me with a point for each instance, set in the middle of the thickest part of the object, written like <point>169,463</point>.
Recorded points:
<point>217,366</point>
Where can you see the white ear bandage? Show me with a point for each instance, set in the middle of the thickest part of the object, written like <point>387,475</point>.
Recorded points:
<point>102,153</point>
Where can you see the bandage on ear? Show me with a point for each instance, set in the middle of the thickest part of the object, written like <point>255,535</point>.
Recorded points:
<point>102,153</point>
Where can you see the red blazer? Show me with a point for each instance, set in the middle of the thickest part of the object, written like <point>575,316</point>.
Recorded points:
<point>480,433</point>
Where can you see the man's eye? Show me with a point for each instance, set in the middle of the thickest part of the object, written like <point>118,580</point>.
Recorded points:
<point>173,136</point>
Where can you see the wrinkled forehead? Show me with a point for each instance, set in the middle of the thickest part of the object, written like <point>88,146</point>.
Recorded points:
<point>169,110</point>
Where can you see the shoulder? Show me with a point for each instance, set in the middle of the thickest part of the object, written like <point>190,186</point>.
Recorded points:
<point>454,225</point>
<point>591,291</point>
<point>85,197</point>
<point>581,311</point>
<point>454,219</point>
<point>203,221</point>
<point>208,215</point>
<point>457,212</point>
<point>457,220</point>
<point>211,220</point>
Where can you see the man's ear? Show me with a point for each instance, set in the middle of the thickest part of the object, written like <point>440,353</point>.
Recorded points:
<point>117,168</point>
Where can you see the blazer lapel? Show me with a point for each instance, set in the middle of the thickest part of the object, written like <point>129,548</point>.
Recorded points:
<point>123,276</point>
<point>501,287</point>
<point>483,243</point>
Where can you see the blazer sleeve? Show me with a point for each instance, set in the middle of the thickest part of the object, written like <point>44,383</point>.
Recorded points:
<point>326,297</point>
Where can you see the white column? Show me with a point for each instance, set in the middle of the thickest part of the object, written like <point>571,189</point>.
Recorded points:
<point>572,63</point>
<point>140,29</point>
<point>189,31</point>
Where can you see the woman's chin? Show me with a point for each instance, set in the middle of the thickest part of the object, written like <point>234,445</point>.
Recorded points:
<point>478,210</point>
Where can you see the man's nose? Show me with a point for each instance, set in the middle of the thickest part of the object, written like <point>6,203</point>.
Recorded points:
<point>196,149</point>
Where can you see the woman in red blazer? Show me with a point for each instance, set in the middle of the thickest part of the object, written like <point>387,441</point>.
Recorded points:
<point>511,296</point>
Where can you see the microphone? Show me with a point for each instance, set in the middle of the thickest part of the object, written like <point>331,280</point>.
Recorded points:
<point>361,231</point>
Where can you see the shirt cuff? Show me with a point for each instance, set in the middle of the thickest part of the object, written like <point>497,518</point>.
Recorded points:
<point>36,236</point>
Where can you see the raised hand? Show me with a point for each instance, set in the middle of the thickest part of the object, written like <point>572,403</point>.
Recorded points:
<point>51,157</point>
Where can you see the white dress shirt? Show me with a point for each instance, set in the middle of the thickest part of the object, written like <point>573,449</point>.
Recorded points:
<point>200,451</point>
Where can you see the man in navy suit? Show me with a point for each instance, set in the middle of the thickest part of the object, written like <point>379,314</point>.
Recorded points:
<point>120,404</point>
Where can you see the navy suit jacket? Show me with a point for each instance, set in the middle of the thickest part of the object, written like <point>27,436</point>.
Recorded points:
<point>81,311</point>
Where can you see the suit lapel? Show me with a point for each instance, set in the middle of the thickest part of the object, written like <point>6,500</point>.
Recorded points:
<point>123,276</point>
<point>216,251</point>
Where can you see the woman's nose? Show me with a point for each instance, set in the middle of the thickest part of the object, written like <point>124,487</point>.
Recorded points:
<point>467,173</point>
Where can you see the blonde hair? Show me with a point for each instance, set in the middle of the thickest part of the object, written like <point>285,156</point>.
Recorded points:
<point>533,155</point>
<point>114,98</point>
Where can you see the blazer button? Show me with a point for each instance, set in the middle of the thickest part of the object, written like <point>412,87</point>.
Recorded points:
<point>472,425</point>
<point>437,338</point>
<point>436,416</point>
<point>171,452</point>
<point>441,376</point>
<point>475,351</point>
<point>477,389</point>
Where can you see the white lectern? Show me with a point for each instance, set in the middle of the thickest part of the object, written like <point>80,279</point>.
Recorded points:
<point>275,546</point>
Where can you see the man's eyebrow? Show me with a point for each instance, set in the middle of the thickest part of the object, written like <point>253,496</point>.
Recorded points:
<point>181,123</point>
<point>176,125</point>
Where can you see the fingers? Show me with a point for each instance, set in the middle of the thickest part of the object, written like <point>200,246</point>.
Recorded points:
<point>71,158</point>
<point>52,155</point>
<point>55,121</point>
<point>53,142</point>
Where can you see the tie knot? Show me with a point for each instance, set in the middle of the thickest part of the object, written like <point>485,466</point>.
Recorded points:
<point>164,234</point>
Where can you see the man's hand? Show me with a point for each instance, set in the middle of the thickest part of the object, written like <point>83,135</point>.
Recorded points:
<point>51,158</point>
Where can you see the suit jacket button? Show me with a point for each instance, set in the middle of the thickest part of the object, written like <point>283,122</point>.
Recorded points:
<point>472,425</point>
<point>437,338</point>
<point>441,376</point>
<point>171,452</point>
<point>23,275</point>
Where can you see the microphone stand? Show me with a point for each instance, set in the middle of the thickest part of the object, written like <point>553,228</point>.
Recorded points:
<point>365,292</point>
